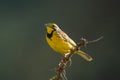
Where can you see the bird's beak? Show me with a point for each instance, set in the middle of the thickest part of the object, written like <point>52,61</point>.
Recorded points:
<point>46,25</point>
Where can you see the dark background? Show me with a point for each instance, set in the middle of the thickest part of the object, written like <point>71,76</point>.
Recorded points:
<point>25,55</point>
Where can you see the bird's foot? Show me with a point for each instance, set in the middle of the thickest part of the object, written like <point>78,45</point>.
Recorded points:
<point>68,58</point>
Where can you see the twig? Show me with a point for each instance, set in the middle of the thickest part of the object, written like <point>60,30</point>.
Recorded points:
<point>60,69</point>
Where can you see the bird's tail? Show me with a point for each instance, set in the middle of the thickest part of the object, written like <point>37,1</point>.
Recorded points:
<point>84,55</point>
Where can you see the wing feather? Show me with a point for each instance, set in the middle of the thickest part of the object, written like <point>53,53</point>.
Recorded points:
<point>66,38</point>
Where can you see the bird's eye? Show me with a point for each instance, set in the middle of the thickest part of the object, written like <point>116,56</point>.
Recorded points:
<point>53,26</point>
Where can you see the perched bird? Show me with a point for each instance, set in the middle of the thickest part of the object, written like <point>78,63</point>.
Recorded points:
<point>60,42</point>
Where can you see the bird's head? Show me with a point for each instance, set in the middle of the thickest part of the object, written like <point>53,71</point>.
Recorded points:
<point>51,27</point>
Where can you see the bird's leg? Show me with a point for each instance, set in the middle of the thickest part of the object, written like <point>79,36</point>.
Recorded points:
<point>68,58</point>
<point>66,55</point>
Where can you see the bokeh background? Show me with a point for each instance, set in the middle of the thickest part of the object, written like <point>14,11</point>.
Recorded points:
<point>25,55</point>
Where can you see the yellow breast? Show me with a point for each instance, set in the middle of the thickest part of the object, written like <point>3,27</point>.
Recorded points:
<point>59,45</point>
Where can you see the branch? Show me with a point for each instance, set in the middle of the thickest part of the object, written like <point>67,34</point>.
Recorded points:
<point>60,69</point>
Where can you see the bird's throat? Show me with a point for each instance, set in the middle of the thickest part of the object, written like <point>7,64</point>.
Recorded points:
<point>49,35</point>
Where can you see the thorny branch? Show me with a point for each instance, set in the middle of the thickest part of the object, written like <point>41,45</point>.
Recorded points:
<point>60,69</point>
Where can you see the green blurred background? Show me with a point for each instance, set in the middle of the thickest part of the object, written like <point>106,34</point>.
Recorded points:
<point>25,55</point>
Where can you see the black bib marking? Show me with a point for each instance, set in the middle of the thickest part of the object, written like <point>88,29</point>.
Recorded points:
<point>49,35</point>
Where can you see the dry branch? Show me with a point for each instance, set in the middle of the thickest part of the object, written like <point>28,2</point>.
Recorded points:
<point>60,69</point>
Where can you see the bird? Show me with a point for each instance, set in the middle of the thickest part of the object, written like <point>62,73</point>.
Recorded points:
<point>60,42</point>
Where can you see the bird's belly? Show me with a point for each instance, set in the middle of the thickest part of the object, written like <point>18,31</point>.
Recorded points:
<point>59,45</point>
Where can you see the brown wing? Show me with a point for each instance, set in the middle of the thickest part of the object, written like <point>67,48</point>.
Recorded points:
<point>65,37</point>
